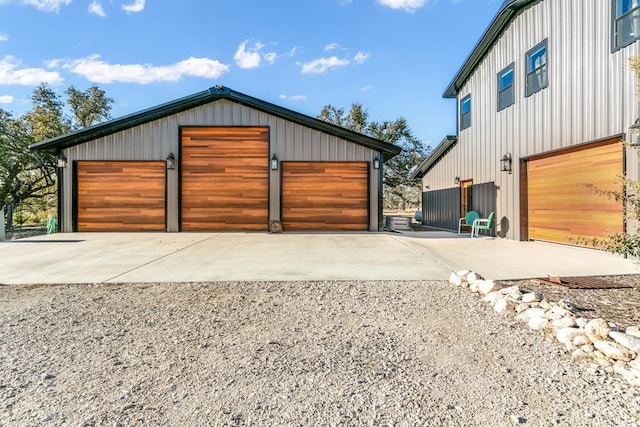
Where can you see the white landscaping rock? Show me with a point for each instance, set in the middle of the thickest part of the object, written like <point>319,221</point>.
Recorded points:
<point>472,277</point>
<point>538,323</point>
<point>557,312</point>
<point>633,330</point>
<point>582,322</point>
<point>615,351</point>
<point>532,297</point>
<point>504,305</point>
<point>628,341</point>
<point>485,287</point>
<point>635,363</point>
<point>580,355</point>
<point>565,322</point>
<point>455,279</point>
<point>597,330</point>
<point>492,297</point>
<point>629,376</point>
<point>567,335</point>
<point>580,340</point>
<point>513,292</point>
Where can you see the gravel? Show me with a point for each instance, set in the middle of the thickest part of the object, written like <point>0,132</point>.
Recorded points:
<point>287,353</point>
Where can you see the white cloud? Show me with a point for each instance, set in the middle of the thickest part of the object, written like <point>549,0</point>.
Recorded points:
<point>96,8</point>
<point>248,58</point>
<point>366,88</point>
<point>331,46</point>
<point>6,99</point>
<point>4,37</point>
<point>360,57</point>
<point>322,65</point>
<point>11,74</point>
<point>270,57</point>
<point>293,97</point>
<point>135,7</point>
<point>98,71</point>
<point>406,5</point>
<point>44,5</point>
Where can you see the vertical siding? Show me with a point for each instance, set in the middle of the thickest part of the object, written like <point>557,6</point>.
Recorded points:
<point>591,96</point>
<point>156,139</point>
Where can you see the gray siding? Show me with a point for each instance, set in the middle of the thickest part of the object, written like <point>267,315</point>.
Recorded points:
<point>155,140</point>
<point>591,96</point>
<point>441,208</point>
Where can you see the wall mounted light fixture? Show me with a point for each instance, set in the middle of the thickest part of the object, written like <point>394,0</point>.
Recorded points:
<point>171,161</point>
<point>274,162</point>
<point>456,180</point>
<point>61,161</point>
<point>376,163</point>
<point>506,163</point>
<point>634,133</point>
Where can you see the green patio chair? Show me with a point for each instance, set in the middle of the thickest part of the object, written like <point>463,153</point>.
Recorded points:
<point>483,224</point>
<point>468,220</point>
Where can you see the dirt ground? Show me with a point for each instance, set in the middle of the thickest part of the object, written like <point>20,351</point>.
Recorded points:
<point>287,353</point>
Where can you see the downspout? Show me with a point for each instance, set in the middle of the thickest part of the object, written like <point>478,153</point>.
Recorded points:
<point>381,192</point>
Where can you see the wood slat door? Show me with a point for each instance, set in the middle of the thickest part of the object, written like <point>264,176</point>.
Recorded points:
<point>120,196</point>
<point>225,179</point>
<point>560,208</point>
<point>327,196</point>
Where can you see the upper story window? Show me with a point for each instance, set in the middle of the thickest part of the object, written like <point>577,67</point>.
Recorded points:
<point>465,112</point>
<point>626,27</point>
<point>505,88</point>
<point>536,60</point>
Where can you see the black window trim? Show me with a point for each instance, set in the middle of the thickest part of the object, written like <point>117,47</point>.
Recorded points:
<point>512,86</point>
<point>544,43</point>
<point>614,20</point>
<point>462,101</point>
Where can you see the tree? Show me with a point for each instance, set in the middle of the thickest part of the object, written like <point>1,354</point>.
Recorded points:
<point>89,107</point>
<point>31,175</point>
<point>400,191</point>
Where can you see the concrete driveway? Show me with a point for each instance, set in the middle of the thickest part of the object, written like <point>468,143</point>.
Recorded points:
<point>186,257</point>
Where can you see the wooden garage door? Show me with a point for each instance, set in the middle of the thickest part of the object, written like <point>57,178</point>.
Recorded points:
<point>561,209</point>
<point>225,179</point>
<point>120,196</point>
<point>329,196</point>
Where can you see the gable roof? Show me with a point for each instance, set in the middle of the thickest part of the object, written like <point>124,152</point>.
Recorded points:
<point>210,95</point>
<point>435,156</point>
<point>507,13</point>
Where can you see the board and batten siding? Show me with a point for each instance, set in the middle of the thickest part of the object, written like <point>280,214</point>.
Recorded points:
<point>591,96</point>
<point>156,139</point>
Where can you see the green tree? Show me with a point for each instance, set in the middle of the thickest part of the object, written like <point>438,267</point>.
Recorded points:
<point>89,107</point>
<point>28,175</point>
<point>400,192</point>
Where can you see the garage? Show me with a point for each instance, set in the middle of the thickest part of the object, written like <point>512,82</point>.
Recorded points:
<point>225,178</point>
<point>325,196</point>
<point>560,208</point>
<point>120,196</point>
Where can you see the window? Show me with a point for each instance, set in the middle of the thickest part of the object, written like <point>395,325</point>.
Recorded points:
<point>465,112</point>
<point>505,88</point>
<point>626,26</point>
<point>536,60</point>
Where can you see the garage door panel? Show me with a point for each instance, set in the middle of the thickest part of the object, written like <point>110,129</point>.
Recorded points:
<point>121,196</point>
<point>225,179</point>
<point>561,207</point>
<point>329,196</point>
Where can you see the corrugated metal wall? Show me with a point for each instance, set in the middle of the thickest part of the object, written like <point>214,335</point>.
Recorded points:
<point>155,140</point>
<point>591,95</point>
<point>441,208</point>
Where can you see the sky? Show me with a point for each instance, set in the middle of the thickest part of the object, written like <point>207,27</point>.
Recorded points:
<point>395,57</point>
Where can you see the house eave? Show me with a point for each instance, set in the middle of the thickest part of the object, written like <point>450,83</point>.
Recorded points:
<point>434,157</point>
<point>211,95</point>
<point>507,12</point>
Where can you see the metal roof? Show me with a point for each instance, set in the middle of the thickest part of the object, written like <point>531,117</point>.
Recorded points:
<point>507,13</point>
<point>435,156</point>
<point>212,94</point>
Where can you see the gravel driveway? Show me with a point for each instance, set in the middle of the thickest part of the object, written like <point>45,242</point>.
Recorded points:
<point>286,353</point>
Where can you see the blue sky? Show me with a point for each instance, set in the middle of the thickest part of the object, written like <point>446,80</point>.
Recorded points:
<point>396,57</point>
